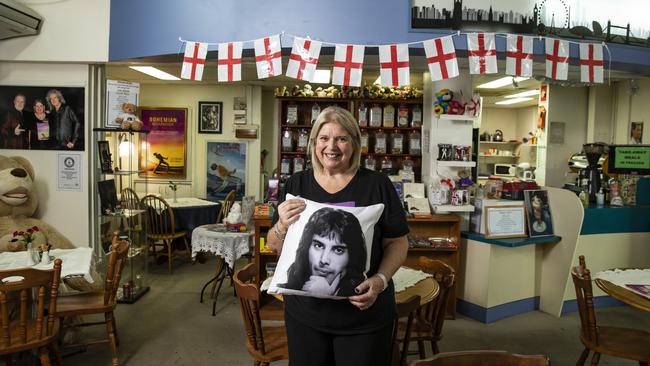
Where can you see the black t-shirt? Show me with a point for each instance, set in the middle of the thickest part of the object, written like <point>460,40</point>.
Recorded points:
<point>366,188</point>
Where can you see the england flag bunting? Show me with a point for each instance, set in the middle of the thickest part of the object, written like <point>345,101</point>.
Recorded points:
<point>591,63</point>
<point>482,53</point>
<point>557,59</point>
<point>441,57</point>
<point>303,59</point>
<point>348,65</point>
<point>194,60</point>
<point>229,61</point>
<point>394,64</point>
<point>519,56</point>
<point>268,57</point>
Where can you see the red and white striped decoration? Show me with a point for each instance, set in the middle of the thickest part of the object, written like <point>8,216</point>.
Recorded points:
<point>519,56</point>
<point>482,53</point>
<point>348,64</point>
<point>557,59</point>
<point>591,63</point>
<point>268,57</point>
<point>441,57</point>
<point>194,60</point>
<point>394,64</point>
<point>303,59</point>
<point>229,61</point>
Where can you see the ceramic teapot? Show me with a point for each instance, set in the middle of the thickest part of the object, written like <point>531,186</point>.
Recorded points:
<point>498,136</point>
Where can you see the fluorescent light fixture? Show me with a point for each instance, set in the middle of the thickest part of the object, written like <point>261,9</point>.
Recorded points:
<point>514,100</point>
<point>500,82</point>
<point>527,93</point>
<point>152,71</point>
<point>321,76</point>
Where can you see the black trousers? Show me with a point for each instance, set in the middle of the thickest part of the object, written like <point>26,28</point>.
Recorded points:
<point>311,347</point>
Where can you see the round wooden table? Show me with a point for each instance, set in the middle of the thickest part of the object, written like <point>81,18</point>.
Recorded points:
<point>427,289</point>
<point>624,295</point>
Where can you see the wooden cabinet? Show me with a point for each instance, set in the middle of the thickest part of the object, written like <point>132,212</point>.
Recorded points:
<point>270,307</point>
<point>445,226</point>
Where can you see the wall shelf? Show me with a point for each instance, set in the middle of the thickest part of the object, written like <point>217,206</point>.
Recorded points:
<point>499,142</point>
<point>452,208</point>
<point>458,164</point>
<point>456,117</point>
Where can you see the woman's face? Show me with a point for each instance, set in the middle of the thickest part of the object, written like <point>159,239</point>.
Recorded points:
<point>333,147</point>
<point>328,257</point>
<point>39,108</point>
<point>54,100</point>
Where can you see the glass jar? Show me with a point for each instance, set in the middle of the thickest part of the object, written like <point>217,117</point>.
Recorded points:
<point>303,140</point>
<point>407,164</point>
<point>402,116</point>
<point>414,143</point>
<point>285,166</point>
<point>363,115</point>
<point>370,163</point>
<point>416,116</point>
<point>387,166</point>
<point>389,115</point>
<point>298,164</point>
<point>396,142</point>
<point>288,140</point>
<point>375,116</point>
<point>292,114</point>
<point>380,142</point>
<point>364,141</point>
<point>315,111</point>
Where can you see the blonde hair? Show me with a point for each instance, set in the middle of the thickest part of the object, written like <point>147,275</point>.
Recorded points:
<point>346,120</point>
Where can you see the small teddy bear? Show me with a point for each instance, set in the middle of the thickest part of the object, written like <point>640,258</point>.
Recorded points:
<point>234,216</point>
<point>128,119</point>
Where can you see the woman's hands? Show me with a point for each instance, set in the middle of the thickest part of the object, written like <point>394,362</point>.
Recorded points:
<point>369,290</point>
<point>289,212</point>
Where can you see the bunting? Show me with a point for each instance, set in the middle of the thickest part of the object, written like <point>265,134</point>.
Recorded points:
<point>591,63</point>
<point>348,65</point>
<point>194,60</point>
<point>394,64</point>
<point>557,59</point>
<point>303,59</point>
<point>482,53</point>
<point>268,57</point>
<point>229,61</point>
<point>441,58</point>
<point>519,56</point>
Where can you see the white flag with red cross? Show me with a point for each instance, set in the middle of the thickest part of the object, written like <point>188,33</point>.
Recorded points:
<point>348,64</point>
<point>229,61</point>
<point>519,56</point>
<point>394,64</point>
<point>591,63</point>
<point>557,59</point>
<point>482,53</point>
<point>441,57</point>
<point>303,59</point>
<point>194,60</point>
<point>268,57</point>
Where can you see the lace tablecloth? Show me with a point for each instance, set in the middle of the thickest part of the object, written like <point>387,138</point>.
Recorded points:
<point>213,239</point>
<point>75,262</point>
<point>189,202</point>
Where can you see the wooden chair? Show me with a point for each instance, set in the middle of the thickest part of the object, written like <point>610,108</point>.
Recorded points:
<point>264,344</point>
<point>430,317</point>
<point>160,227</point>
<point>32,329</point>
<point>226,206</point>
<point>99,302</point>
<point>401,345</point>
<point>483,358</point>
<point>130,201</point>
<point>631,344</point>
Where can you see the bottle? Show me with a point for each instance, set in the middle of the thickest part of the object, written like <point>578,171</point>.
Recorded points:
<point>414,144</point>
<point>303,140</point>
<point>389,116</point>
<point>375,116</point>
<point>600,198</point>
<point>298,164</point>
<point>370,163</point>
<point>380,142</point>
<point>416,117</point>
<point>402,116</point>
<point>387,166</point>
<point>584,198</point>
<point>315,111</point>
<point>285,166</point>
<point>287,140</point>
<point>363,115</point>
<point>396,142</point>
<point>292,114</point>
<point>407,164</point>
<point>364,141</point>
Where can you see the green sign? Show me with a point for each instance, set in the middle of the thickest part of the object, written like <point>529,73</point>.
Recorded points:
<point>632,157</point>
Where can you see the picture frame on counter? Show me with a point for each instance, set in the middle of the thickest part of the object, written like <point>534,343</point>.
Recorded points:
<point>505,222</point>
<point>538,213</point>
<point>210,117</point>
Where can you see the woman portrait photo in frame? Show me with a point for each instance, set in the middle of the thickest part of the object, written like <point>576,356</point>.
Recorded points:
<point>210,117</point>
<point>105,161</point>
<point>538,212</point>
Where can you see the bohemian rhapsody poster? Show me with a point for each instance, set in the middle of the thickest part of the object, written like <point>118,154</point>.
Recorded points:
<point>165,155</point>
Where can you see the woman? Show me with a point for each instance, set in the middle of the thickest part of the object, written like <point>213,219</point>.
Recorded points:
<point>358,330</point>
<point>331,255</point>
<point>67,125</point>
<point>40,127</point>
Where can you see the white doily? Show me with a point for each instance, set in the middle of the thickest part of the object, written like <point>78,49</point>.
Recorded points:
<point>230,246</point>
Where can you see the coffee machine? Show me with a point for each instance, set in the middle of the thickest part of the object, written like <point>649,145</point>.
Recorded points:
<point>593,171</point>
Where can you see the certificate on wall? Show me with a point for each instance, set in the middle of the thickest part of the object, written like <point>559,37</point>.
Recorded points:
<point>69,172</point>
<point>119,92</point>
<point>505,222</point>
<point>167,147</point>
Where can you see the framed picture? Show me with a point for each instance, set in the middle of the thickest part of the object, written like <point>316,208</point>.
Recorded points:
<point>105,162</point>
<point>543,91</point>
<point>166,154</point>
<point>226,170</point>
<point>538,213</point>
<point>556,132</point>
<point>210,117</point>
<point>636,133</point>
<point>505,222</point>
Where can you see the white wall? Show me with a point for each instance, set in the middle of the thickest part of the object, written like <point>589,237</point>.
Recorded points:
<point>72,31</point>
<point>631,108</point>
<point>599,123</point>
<point>504,119</point>
<point>269,138</point>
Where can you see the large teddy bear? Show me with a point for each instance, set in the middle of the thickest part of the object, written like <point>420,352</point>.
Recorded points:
<point>18,202</point>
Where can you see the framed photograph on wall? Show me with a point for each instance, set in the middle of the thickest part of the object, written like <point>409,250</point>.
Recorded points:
<point>105,161</point>
<point>538,213</point>
<point>167,151</point>
<point>210,117</point>
<point>636,133</point>
<point>226,170</point>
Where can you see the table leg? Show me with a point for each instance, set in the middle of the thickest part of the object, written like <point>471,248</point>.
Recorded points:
<point>215,278</point>
<point>228,272</point>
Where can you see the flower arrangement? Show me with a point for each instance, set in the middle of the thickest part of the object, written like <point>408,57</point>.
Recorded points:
<point>27,237</point>
<point>173,186</point>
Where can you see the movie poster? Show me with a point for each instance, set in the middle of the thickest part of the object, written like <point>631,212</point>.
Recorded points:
<point>226,170</point>
<point>166,154</point>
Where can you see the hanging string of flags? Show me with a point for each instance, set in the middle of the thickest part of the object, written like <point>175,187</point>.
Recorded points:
<point>394,66</point>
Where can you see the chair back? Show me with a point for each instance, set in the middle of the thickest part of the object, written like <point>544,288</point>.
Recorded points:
<point>483,358</point>
<point>585,299</point>
<point>405,309</point>
<point>160,217</point>
<point>227,204</point>
<point>435,311</point>
<point>249,302</point>
<point>129,200</point>
<point>116,263</point>
<point>32,326</point>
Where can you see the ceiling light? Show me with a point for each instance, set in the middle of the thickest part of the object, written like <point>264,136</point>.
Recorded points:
<point>514,100</point>
<point>527,93</point>
<point>321,76</point>
<point>501,82</point>
<point>152,71</point>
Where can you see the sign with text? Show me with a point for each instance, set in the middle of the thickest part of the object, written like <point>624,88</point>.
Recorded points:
<point>167,147</point>
<point>632,157</point>
<point>117,93</point>
<point>69,172</point>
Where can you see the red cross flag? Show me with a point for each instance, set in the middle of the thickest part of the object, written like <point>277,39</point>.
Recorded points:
<point>303,59</point>
<point>519,56</point>
<point>348,65</point>
<point>229,62</point>
<point>194,60</point>
<point>482,53</point>
<point>441,57</point>
<point>557,59</point>
<point>591,63</point>
<point>394,64</point>
<point>268,58</point>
